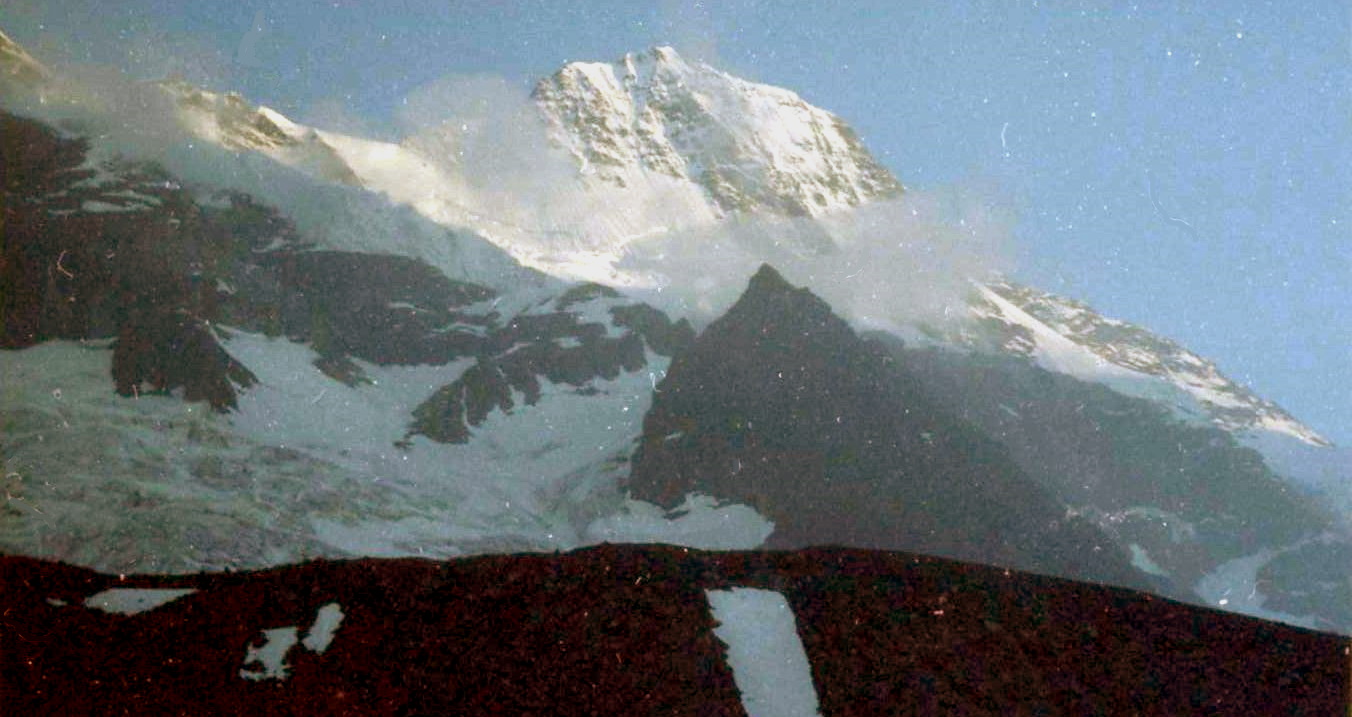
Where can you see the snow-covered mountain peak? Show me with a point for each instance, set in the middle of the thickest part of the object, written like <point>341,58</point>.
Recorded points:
<point>641,66</point>
<point>748,146</point>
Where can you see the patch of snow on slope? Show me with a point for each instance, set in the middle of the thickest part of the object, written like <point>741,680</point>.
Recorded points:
<point>769,663</point>
<point>297,406</point>
<point>132,601</point>
<point>270,656</point>
<point>322,632</point>
<point>1140,559</point>
<point>700,522</point>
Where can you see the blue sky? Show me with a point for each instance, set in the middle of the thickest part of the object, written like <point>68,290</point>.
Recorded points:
<point>1187,169</point>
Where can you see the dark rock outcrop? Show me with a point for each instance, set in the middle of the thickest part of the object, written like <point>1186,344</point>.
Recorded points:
<point>83,249</point>
<point>169,351</point>
<point>380,308</point>
<point>557,346</point>
<point>778,404</point>
<point>118,250</point>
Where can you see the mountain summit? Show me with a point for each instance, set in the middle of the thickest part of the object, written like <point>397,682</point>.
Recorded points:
<point>750,146</point>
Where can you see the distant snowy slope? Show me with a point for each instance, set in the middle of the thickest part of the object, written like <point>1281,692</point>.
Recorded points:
<point>1069,337</point>
<point>231,121</point>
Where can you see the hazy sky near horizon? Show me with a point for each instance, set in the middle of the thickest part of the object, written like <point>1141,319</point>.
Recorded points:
<point>1187,168</point>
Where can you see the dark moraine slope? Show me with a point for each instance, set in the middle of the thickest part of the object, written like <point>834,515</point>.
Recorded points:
<point>621,630</point>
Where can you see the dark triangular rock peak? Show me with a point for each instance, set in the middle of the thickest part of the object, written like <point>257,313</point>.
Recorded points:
<point>779,404</point>
<point>766,279</point>
<point>769,291</point>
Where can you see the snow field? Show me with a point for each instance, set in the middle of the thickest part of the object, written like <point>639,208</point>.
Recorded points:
<point>308,467</point>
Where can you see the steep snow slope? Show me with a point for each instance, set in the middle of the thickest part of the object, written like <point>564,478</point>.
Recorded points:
<point>230,121</point>
<point>551,221</point>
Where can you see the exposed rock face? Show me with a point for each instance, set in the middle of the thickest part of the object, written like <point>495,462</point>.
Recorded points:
<point>169,351</point>
<point>379,308</point>
<point>111,250</point>
<point>631,630</point>
<point>654,112</point>
<point>780,405</point>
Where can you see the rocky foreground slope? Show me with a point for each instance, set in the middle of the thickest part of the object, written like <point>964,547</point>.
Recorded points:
<point>642,630</point>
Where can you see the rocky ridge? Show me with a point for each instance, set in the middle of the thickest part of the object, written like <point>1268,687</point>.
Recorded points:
<point>641,630</point>
<point>1025,321</point>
